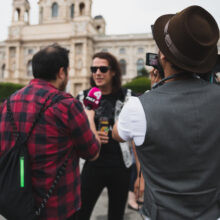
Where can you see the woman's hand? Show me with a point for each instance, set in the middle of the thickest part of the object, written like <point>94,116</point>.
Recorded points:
<point>91,114</point>
<point>103,136</point>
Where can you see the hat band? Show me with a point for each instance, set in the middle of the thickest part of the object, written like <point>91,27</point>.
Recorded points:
<point>172,48</point>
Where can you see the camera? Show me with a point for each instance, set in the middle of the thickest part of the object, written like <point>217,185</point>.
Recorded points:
<point>152,60</point>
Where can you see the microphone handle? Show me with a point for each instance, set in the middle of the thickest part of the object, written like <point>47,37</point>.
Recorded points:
<point>89,107</point>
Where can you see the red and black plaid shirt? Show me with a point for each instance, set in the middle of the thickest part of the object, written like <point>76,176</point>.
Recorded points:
<point>63,129</point>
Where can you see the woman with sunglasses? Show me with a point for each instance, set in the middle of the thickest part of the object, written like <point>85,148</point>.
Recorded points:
<point>112,168</point>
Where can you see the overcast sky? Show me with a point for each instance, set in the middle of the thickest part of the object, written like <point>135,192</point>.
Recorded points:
<point>122,16</point>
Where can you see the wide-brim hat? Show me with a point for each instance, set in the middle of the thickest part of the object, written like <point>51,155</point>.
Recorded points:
<point>188,39</point>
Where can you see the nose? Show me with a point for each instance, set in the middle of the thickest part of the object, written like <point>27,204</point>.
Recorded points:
<point>98,71</point>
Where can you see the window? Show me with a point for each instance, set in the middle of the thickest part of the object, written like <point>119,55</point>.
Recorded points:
<point>122,51</point>
<point>123,66</point>
<point>12,52</point>
<point>82,8</point>
<point>72,11</point>
<point>30,51</point>
<point>104,50</point>
<point>2,72</point>
<point>29,68</point>
<point>55,10</point>
<point>41,15</point>
<point>78,48</point>
<point>140,50</point>
<point>140,66</point>
<point>17,14</point>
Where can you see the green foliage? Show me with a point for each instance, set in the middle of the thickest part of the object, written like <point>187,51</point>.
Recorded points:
<point>6,89</point>
<point>139,84</point>
<point>144,72</point>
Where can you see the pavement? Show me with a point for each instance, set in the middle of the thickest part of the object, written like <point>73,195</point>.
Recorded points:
<point>100,210</point>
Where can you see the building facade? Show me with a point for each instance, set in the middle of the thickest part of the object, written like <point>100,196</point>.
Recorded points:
<point>70,24</point>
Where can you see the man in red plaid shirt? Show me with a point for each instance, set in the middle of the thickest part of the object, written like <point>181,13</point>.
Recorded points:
<point>63,130</point>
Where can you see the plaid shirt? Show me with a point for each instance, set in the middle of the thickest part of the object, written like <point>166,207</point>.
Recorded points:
<point>63,129</point>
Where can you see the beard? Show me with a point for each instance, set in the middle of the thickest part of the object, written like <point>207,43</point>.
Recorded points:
<point>62,86</point>
<point>160,67</point>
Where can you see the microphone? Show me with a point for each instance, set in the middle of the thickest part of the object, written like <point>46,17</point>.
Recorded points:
<point>91,101</point>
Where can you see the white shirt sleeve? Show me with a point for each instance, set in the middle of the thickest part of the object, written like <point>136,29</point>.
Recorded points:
<point>132,123</point>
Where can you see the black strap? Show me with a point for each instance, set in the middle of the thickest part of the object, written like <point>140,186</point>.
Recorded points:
<point>176,75</point>
<point>11,117</point>
<point>62,169</point>
<point>60,173</point>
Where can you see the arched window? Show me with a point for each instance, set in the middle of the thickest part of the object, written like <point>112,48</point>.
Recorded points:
<point>55,10</point>
<point>17,14</point>
<point>82,8</point>
<point>29,68</point>
<point>122,51</point>
<point>72,11</point>
<point>123,66</point>
<point>140,66</point>
<point>2,72</point>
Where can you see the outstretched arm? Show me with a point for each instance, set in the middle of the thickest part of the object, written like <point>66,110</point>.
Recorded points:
<point>115,134</point>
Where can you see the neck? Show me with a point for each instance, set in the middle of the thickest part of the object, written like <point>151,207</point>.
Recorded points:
<point>106,90</point>
<point>55,83</point>
<point>169,71</point>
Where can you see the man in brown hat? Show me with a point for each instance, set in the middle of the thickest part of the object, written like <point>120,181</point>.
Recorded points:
<point>174,126</point>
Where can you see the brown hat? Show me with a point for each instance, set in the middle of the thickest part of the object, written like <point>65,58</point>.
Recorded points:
<point>188,39</point>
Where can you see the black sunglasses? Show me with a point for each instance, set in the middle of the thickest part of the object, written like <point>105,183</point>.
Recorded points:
<point>103,69</point>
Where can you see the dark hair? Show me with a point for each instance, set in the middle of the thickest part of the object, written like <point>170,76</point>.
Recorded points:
<point>47,62</point>
<point>114,65</point>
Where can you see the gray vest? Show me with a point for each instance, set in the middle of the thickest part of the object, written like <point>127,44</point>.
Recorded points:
<point>180,157</point>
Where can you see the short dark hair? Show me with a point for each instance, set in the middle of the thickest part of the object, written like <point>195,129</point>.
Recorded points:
<point>47,62</point>
<point>115,67</point>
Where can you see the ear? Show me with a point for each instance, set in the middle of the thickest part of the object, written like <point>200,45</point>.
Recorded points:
<point>162,57</point>
<point>113,73</point>
<point>61,74</point>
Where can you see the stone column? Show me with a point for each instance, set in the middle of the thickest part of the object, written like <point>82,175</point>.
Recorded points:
<point>7,64</point>
<point>17,62</point>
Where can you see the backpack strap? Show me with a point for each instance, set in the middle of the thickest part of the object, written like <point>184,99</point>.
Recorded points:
<point>62,169</point>
<point>42,110</point>
<point>59,174</point>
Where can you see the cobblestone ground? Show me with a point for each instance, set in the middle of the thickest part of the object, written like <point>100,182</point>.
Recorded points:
<point>100,211</point>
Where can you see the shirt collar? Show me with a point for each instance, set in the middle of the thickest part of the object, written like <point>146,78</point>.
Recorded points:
<point>42,82</point>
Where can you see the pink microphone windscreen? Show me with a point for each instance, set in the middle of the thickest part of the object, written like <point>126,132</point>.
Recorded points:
<point>93,98</point>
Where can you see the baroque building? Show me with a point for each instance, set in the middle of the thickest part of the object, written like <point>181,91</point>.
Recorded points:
<point>70,24</point>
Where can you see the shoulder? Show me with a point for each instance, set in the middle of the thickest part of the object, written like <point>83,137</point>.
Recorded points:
<point>133,103</point>
<point>65,102</point>
<point>125,93</point>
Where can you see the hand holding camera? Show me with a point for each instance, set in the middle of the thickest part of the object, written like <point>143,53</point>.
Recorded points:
<point>153,60</point>
<point>155,76</point>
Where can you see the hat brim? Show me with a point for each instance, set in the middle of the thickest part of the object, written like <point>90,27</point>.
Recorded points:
<point>158,33</point>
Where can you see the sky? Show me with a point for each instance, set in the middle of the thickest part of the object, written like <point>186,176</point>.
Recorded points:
<point>122,16</point>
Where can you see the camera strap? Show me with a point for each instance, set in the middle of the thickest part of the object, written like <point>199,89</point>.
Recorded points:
<point>174,76</point>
